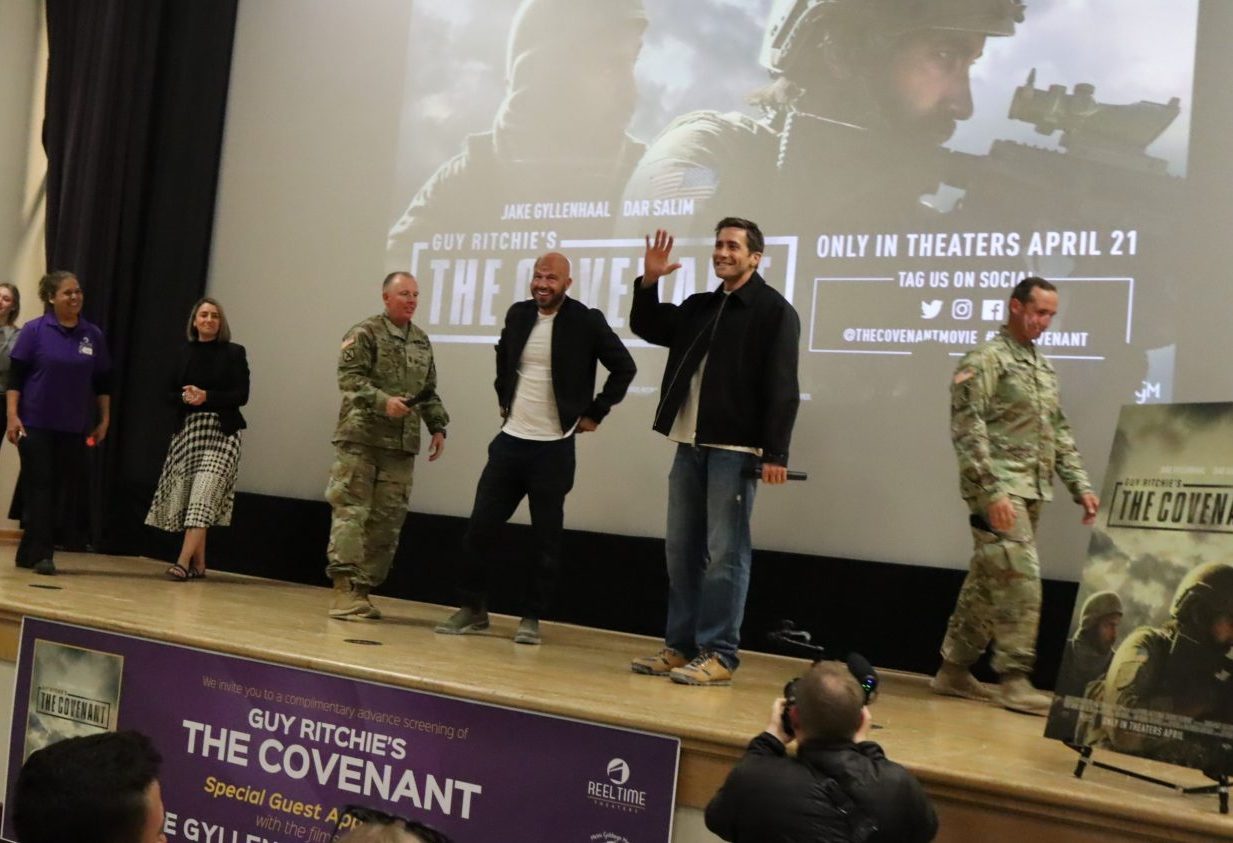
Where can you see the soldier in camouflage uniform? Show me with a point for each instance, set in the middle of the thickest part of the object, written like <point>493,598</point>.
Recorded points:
<point>1010,435</point>
<point>864,93</point>
<point>1181,668</point>
<point>563,57</point>
<point>388,382</point>
<point>1085,660</point>
<point>1090,649</point>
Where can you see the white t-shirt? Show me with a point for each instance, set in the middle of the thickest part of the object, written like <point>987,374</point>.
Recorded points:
<point>534,412</point>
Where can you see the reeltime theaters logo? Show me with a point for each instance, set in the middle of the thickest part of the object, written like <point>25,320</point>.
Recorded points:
<point>613,793</point>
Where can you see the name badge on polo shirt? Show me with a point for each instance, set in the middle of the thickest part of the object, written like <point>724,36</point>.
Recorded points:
<point>85,347</point>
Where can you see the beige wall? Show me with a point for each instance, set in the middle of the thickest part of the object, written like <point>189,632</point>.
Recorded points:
<point>23,168</point>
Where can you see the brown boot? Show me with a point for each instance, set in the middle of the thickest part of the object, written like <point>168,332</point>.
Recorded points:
<point>955,680</point>
<point>1017,694</point>
<point>370,611</point>
<point>348,603</point>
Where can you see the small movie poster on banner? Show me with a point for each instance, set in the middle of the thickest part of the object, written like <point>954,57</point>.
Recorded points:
<point>1147,668</point>
<point>74,691</point>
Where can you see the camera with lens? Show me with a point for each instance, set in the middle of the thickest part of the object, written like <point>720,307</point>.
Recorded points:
<point>798,642</point>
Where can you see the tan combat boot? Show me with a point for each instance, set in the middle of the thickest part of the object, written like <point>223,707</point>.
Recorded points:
<point>370,611</point>
<point>347,601</point>
<point>1017,694</point>
<point>955,680</point>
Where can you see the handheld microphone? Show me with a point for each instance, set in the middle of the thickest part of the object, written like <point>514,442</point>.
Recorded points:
<point>411,401</point>
<point>756,474</point>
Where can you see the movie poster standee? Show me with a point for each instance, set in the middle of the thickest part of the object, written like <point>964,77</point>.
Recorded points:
<point>1148,664</point>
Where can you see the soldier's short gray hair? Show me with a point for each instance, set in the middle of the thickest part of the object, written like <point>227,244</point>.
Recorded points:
<point>389,279</point>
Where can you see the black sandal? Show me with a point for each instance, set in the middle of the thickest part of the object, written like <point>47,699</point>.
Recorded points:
<point>178,573</point>
<point>196,573</point>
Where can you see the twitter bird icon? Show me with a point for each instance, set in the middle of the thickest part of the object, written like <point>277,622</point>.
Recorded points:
<point>930,309</point>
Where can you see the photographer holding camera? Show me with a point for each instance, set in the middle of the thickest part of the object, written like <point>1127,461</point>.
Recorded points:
<point>839,787</point>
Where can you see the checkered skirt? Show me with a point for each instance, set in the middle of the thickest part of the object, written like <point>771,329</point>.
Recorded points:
<point>197,486</point>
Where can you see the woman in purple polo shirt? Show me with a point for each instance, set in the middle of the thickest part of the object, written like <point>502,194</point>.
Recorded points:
<point>58,399</point>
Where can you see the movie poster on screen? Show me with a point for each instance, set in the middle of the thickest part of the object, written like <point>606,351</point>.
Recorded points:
<point>1047,138</point>
<point>255,752</point>
<point>1147,668</point>
<point>900,208</point>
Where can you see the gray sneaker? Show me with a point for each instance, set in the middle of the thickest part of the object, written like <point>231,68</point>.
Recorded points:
<point>45,567</point>
<point>463,621</point>
<point>528,632</point>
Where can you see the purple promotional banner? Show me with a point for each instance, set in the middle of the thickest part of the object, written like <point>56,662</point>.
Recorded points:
<point>256,752</point>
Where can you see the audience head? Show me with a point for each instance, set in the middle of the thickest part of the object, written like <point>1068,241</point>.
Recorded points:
<point>10,304</point>
<point>830,704</point>
<point>358,824</point>
<point>94,789</point>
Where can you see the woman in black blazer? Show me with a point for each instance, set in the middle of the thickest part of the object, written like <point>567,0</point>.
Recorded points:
<point>208,385</point>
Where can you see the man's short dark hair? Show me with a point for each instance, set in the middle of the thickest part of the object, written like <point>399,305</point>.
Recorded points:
<point>86,790</point>
<point>1023,290</point>
<point>753,234</point>
<point>389,279</point>
<point>829,703</point>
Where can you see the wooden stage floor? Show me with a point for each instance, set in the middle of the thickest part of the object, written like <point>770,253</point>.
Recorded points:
<point>991,773</point>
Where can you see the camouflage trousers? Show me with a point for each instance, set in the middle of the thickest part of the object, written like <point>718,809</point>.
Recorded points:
<point>1000,598</point>
<point>368,490</point>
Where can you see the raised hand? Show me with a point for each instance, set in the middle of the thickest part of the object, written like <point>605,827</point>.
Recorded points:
<point>657,262</point>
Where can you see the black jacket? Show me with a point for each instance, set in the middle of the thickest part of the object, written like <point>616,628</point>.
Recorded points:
<point>751,339</point>
<point>226,386</point>
<point>827,794</point>
<point>580,338</point>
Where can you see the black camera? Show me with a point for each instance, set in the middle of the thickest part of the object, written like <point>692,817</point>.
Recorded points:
<point>798,642</point>
<point>861,670</point>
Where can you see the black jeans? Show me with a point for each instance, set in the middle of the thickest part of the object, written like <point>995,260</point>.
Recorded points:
<point>52,463</point>
<point>543,472</point>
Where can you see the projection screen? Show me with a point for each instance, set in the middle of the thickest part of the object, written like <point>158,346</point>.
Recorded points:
<point>908,163</point>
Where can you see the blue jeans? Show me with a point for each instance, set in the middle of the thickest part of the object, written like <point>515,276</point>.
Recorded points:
<point>709,550</point>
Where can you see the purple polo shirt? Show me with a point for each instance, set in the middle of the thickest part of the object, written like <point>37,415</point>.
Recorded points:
<point>58,393</point>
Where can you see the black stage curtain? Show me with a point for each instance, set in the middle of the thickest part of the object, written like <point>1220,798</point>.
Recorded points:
<point>136,95</point>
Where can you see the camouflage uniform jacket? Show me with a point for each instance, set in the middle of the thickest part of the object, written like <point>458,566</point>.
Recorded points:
<point>837,173</point>
<point>376,362</point>
<point>1007,425</point>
